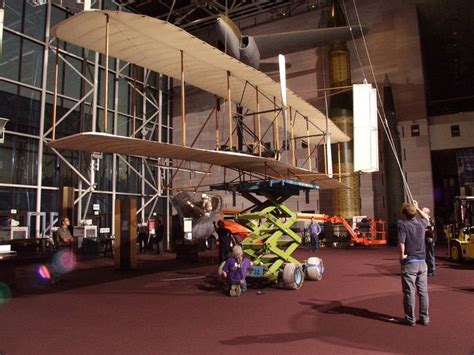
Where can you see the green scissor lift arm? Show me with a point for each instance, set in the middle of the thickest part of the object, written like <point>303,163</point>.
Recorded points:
<point>272,241</point>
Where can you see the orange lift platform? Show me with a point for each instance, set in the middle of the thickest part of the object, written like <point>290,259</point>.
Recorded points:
<point>369,233</point>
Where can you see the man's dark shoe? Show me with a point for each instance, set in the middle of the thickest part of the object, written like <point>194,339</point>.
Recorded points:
<point>407,322</point>
<point>424,323</point>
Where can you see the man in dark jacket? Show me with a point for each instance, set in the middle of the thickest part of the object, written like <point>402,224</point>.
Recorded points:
<point>430,239</point>
<point>64,233</point>
<point>411,239</point>
<point>226,241</point>
<point>160,234</point>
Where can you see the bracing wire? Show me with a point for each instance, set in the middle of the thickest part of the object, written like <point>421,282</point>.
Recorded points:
<point>382,115</point>
<point>326,106</point>
<point>382,118</point>
<point>223,115</point>
<point>353,40</point>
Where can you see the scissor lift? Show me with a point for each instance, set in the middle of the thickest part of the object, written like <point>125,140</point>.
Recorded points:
<point>272,241</point>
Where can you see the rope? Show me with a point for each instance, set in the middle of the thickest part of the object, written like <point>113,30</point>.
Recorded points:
<point>381,115</point>
<point>328,169</point>
<point>353,39</point>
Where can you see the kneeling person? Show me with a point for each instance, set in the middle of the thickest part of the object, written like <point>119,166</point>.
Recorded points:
<point>235,271</point>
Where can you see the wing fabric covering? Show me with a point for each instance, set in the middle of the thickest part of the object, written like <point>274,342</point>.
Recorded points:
<point>157,45</point>
<point>108,143</point>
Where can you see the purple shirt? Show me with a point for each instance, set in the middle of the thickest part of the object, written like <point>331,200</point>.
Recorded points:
<point>233,271</point>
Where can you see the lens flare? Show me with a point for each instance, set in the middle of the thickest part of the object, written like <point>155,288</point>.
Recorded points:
<point>64,261</point>
<point>5,293</point>
<point>43,272</point>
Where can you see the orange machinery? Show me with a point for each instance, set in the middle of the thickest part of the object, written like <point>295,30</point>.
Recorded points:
<point>236,229</point>
<point>375,234</point>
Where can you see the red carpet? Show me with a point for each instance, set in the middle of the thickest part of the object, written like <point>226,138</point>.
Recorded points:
<point>172,308</point>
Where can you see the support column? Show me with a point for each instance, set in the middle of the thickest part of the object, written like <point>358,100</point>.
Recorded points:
<point>142,168</point>
<point>126,234</point>
<point>183,107</point>
<point>346,202</point>
<point>106,76</point>
<point>39,175</point>
<point>55,95</point>
<point>308,142</point>
<point>66,202</point>
<point>292,138</point>
<point>217,124</point>
<point>259,124</point>
<point>276,128</point>
<point>115,177</point>
<point>229,105</point>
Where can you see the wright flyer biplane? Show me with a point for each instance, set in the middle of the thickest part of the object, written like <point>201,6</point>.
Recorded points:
<point>169,50</point>
<point>269,120</point>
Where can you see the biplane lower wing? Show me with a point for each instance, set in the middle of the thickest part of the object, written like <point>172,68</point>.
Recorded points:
<point>107,143</point>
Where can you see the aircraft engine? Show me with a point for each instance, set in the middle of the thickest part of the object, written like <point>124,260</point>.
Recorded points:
<point>249,53</point>
<point>229,37</point>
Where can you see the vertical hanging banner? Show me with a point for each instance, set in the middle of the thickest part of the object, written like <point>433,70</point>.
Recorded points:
<point>366,147</point>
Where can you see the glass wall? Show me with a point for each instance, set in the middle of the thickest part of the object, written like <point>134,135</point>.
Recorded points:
<point>26,100</point>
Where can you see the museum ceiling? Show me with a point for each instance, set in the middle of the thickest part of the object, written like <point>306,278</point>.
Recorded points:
<point>193,15</point>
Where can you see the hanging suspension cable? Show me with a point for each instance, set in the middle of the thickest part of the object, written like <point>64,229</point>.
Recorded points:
<point>328,154</point>
<point>382,116</point>
<point>353,40</point>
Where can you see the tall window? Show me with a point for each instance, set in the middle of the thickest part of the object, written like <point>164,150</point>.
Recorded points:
<point>21,94</point>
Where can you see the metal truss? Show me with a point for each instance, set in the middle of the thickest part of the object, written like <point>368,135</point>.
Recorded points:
<point>149,127</point>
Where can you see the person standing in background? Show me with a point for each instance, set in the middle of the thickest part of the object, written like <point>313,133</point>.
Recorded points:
<point>226,241</point>
<point>160,233</point>
<point>64,234</point>
<point>314,231</point>
<point>142,237</point>
<point>411,242</point>
<point>430,239</point>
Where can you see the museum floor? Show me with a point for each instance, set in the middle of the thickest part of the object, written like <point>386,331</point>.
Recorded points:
<point>168,307</point>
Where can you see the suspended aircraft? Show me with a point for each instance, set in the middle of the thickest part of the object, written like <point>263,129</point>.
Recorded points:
<point>252,50</point>
<point>162,47</point>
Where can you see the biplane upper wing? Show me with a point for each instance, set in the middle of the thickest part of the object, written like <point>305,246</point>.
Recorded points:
<point>108,143</point>
<point>158,45</point>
